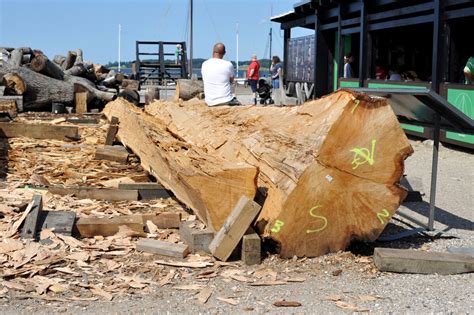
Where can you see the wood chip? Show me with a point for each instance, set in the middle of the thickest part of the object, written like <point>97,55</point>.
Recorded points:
<point>368,298</point>
<point>194,264</point>
<point>204,295</point>
<point>168,278</point>
<point>268,283</point>
<point>189,287</point>
<point>333,297</point>
<point>228,300</point>
<point>102,293</point>
<point>284,303</point>
<point>351,307</point>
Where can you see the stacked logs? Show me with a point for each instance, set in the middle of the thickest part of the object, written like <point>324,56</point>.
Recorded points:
<point>42,81</point>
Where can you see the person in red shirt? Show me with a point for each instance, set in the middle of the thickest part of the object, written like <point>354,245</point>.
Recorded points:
<point>253,74</point>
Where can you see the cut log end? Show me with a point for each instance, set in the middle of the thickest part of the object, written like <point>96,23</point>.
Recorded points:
<point>14,84</point>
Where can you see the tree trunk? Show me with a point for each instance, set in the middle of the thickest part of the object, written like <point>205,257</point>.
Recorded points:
<point>41,90</point>
<point>188,89</point>
<point>59,60</point>
<point>78,70</point>
<point>42,64</point>
<point>208,184</point>
<point>330,168</point>
<point>70,59</point>
<point>79,56</point>
<point>16,57</point>
<point>14,84</point>
<point>93,91</point>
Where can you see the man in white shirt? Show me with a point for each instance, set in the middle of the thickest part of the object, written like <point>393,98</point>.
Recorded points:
<point>218,75</point>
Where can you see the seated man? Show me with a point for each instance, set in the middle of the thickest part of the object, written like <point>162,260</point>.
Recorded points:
<point>218,74</point>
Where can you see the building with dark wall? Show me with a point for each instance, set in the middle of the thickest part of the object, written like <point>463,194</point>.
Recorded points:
<point>432,39</point>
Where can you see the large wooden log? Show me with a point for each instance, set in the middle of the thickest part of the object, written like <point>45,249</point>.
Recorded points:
<point>78,70</point>
<point>207,184</point>
<point>187,89</point>
<point>330,168</point>
<point>42,64</point>
<point>70,60</point>
<point>14,84</point>
<point>91,88</point>
<point>41,90</point>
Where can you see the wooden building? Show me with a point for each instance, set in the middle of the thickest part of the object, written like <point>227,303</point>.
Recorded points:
<point>431,38</point>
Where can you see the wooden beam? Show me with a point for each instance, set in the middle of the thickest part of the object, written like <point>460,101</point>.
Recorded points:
<point>163,248</point>
<point>112,131</point>
<point>164,220</point>
<point>234,228</point>
<point>197,239</point>
<point>251,248</point>
<point>413,261</point>
<point>38,131</point>
<point>30,227</point>
<point>93,226</point>
<point>95,193</point>
<point>112,153</point>
<point>142,186</point>
<point>80,100</point>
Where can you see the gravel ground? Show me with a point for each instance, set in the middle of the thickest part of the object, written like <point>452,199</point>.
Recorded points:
<point>343,278</point>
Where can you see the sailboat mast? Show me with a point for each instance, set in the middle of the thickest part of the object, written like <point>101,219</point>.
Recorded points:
<point>271,37</point>
<point>119,37</point>
<point>237,54</point>
<point>190,38</point>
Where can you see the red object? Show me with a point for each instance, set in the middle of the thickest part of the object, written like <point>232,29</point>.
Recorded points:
<point>380,73</point>
<point>256,66</point>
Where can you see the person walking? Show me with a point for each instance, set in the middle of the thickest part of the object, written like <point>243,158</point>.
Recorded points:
<point>218,75</point>
<point>253,74</point>
<point>469,71</point>
<point>275,70</point>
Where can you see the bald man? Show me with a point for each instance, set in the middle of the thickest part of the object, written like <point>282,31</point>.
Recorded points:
<point>218,75</point>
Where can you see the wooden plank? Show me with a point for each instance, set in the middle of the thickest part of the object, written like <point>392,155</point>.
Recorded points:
<point>140,186</point>
<point>30,227</point>
<point>150,194</point>
<point>82,121</point>
<point>61,221</point>
<point>112,153</point>
<point>251,248</point>
<point>93,226</point>
<point>462,250</point>
<point>9,107</point>
<point>95,193</point>
<point>197,239</point>
<point>38,131</point>
<point>80,100</point>
<point>112,131</point>
<point>234,228</point>
<point>164,220</point>
<point>412,261</point>
<point>163,248</point>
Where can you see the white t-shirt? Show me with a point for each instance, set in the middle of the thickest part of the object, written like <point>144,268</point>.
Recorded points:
<point>216,74</point>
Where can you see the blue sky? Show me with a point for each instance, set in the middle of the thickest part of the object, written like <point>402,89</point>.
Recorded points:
<point>56,26</point>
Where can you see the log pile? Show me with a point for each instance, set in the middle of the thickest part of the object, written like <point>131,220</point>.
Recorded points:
<point>329,169</point>
<point>43,81</point>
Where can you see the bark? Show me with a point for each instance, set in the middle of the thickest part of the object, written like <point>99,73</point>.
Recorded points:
<point>70,59</point>
<point>14,84</point>
<point>188,89</point>
<point>79,56</point>
<point>59,60</point>
<point>329,168</point>
<point>42,64</point>
<point>91,88</point>
<point>41,90</point>
<point>78,70</point>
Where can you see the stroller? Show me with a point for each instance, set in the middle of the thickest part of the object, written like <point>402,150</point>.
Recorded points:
<point>264,91</point>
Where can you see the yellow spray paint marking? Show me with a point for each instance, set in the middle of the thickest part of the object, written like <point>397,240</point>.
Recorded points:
<point>356,103</point>
<point>278,224</point>
<point>319,217</point>
<point>383,214</point>
<point>362,156</point>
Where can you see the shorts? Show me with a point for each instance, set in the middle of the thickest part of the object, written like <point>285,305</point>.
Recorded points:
<point>253,85</point>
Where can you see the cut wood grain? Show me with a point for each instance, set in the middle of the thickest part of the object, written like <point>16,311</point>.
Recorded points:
<point>163,248</point>
<point>209,185</point>
<point>38,131</point>
<point>239,220</point>
<point>95,193</point>
<point>112,131</point>
<point>14,84</point>
<point>330,171</point>
<point>412,261</point>
<point>164,220</point>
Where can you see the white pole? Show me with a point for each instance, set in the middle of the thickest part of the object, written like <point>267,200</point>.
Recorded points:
<point>119,34</point>
<point>237,57</point>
